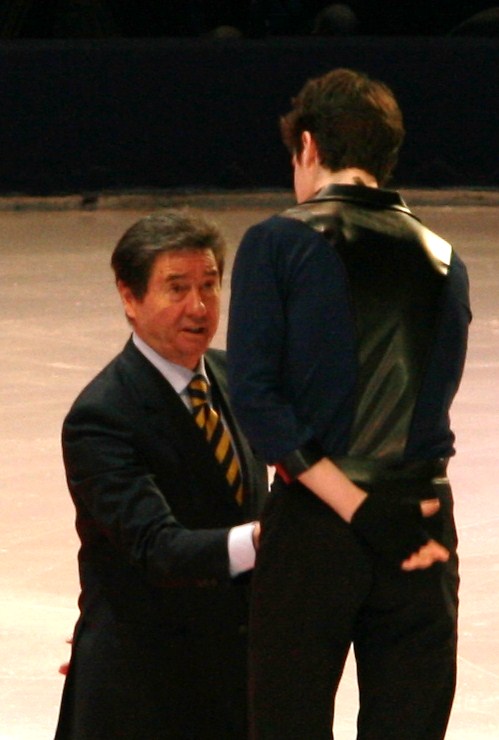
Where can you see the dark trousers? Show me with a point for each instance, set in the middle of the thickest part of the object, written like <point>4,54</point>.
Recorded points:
<point>316,591</point>
<point>135,683</point>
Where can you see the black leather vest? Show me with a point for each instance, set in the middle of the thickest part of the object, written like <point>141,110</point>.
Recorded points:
<point>396,270</point>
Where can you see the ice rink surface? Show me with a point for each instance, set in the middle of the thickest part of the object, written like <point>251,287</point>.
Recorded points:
<point>61,321</point>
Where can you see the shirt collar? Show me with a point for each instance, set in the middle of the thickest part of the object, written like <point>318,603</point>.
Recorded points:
<point>361,194</point>
<point>177,375</point>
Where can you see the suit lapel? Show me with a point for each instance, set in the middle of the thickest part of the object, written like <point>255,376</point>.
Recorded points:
<point>168,416</point>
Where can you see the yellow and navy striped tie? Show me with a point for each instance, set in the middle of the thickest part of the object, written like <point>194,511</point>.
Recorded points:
<point>217,435</point>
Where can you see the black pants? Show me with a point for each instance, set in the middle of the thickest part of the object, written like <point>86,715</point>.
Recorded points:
<point>132,681</point>
<point>316,591</point>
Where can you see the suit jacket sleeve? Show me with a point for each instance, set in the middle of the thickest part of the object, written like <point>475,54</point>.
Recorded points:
<point>135,491</point>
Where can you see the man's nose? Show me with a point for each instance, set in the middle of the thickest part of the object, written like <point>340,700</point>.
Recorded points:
<point>195,302</point>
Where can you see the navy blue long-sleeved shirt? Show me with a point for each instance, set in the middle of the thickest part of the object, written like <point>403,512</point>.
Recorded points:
<point>292,347</point>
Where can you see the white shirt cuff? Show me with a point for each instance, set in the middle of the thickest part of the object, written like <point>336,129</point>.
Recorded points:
<point>241,549</point>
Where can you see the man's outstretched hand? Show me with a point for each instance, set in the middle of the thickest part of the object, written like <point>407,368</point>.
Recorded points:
<point>395,530</point>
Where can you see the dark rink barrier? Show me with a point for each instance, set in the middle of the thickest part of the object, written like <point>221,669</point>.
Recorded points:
<point>107,115</point>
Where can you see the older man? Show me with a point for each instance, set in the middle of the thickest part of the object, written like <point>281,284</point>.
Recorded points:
<point>163,483</point>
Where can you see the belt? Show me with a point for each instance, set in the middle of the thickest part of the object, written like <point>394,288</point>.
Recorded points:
<point>371,471</point>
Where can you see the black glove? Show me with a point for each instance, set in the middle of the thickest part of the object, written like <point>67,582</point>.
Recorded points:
<point>392,527</point>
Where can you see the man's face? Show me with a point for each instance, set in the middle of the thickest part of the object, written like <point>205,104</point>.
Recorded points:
<point>178,316</point>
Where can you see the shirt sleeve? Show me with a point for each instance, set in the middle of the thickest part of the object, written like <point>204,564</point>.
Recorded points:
<point>119,503</point>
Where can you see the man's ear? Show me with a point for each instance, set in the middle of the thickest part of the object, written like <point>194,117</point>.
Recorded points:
<point>309,153</point>
<point>128,299</point>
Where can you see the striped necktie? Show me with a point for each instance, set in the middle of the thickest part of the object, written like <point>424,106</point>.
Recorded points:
<point>218,437</point>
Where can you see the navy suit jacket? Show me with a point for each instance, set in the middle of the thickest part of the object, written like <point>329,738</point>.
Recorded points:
<point>153,511</point>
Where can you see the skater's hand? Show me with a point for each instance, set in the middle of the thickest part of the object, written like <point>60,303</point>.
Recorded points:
<point>433,551</point>
<point>395,530</point>
<point>426,556</point>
